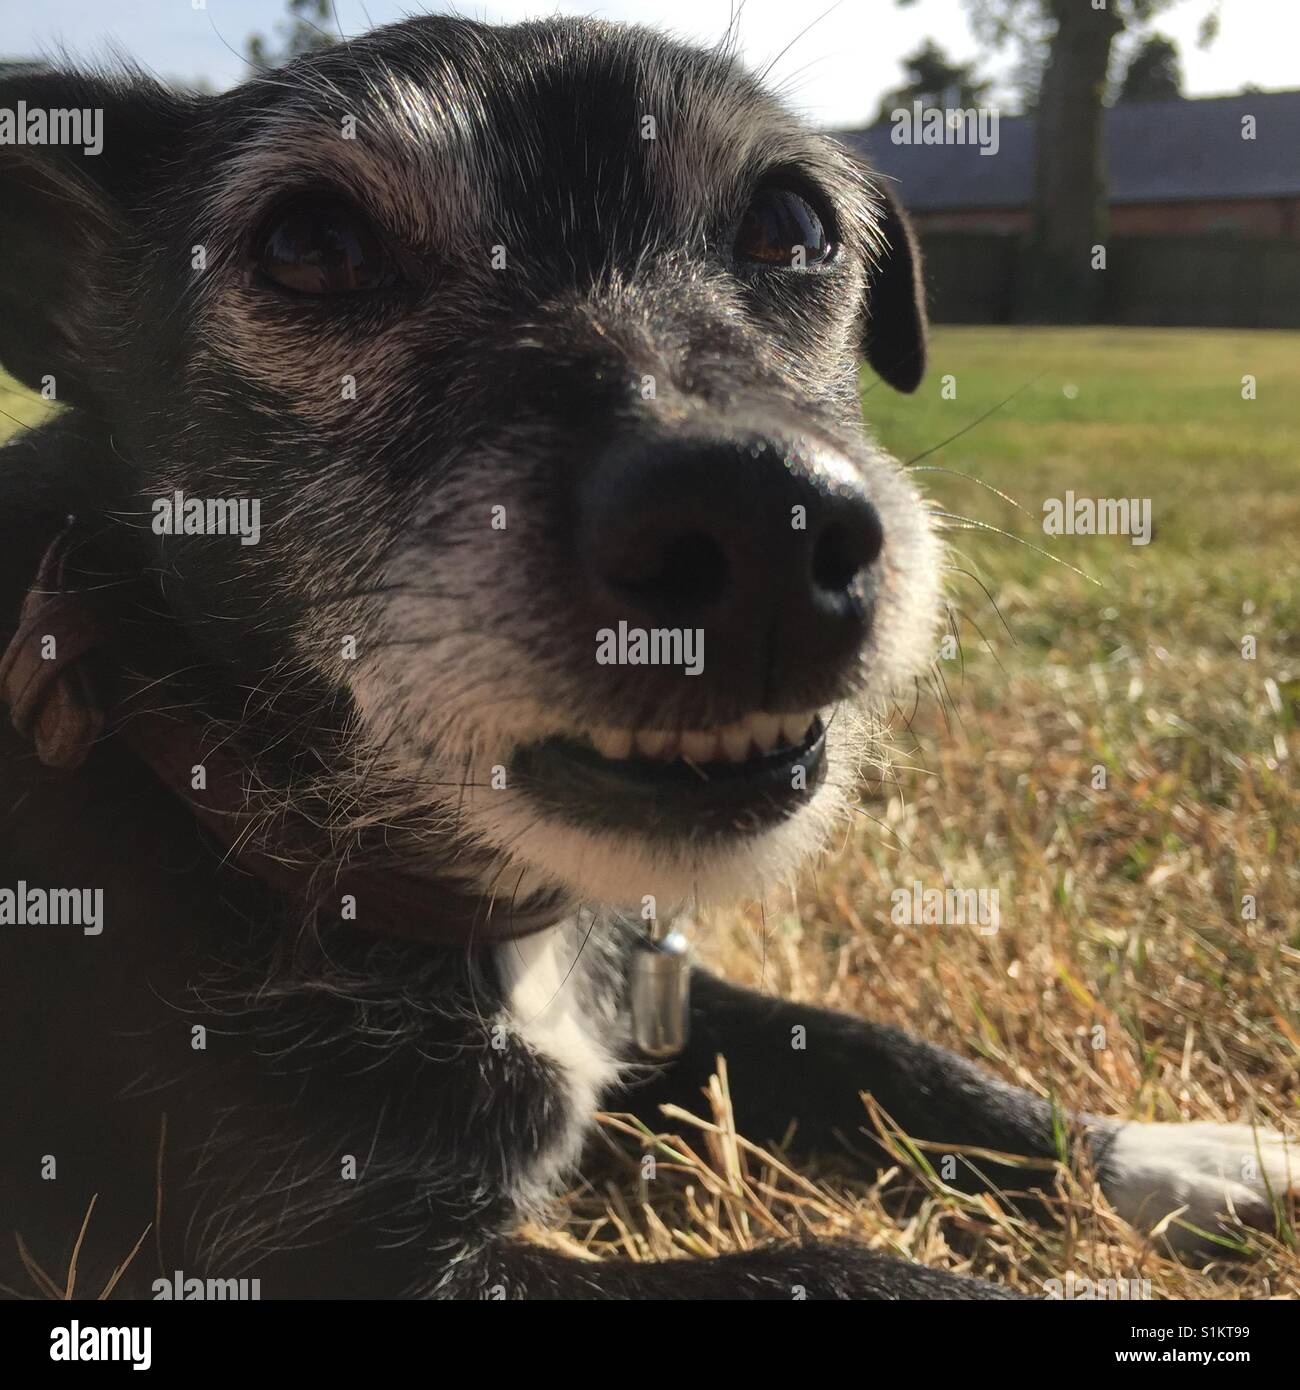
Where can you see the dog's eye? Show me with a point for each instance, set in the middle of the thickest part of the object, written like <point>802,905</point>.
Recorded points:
<point>323,246</point>
<point>782,228</point>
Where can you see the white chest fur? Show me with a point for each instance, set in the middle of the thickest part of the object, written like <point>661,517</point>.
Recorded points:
<point>562,1009</point>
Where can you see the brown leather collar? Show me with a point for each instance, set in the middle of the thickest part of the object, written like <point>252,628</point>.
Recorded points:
<point>51,677</point>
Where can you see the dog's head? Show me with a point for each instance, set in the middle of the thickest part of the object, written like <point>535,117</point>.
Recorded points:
<point>538,348</point>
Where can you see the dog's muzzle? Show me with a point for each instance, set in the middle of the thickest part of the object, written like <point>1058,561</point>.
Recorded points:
<point>738,574</point>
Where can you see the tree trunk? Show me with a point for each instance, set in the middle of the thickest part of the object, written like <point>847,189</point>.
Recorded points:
<point>1070,182</point>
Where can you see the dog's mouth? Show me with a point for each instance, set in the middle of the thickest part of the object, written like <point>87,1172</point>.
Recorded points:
<point>730,780</point>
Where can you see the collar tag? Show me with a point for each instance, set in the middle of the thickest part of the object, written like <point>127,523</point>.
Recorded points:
<point>660,991</point>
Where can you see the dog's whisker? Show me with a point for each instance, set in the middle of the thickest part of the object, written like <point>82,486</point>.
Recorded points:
<point>765,72</point>
<point>993,603</point>
<point>931,683</point>
<point>979,420</point>
<point>966,523</point>
<point>884,826</point>
<point>970,478</point>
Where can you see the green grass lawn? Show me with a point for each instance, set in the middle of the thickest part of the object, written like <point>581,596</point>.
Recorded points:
<point>1149,413</point>
<point>1121,907</point>
<point>1153,414</point>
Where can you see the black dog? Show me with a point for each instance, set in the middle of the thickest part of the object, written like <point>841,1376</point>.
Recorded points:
<point>536,350</point>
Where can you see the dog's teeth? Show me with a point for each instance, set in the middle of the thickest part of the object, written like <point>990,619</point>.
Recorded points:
<point>698,747</point>
<point>615,744</point>
<point>794,728</point>
<point>736,741</point>
<point>765,730</point>
<point>653,743</point>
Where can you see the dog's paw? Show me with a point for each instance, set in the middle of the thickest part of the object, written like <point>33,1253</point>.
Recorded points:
<point>1209,1171</point>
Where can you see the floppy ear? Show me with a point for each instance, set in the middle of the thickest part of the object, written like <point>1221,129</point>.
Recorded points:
<point>76,147</point>
<point>896,330</point>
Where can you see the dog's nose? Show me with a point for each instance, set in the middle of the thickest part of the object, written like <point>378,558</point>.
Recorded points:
<point>765,545</point>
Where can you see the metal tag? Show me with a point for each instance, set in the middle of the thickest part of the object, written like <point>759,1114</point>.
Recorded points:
<point>661,992</point>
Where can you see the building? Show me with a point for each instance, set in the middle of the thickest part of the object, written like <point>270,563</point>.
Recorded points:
<point>1173,167</point>
<point>1204,225</point>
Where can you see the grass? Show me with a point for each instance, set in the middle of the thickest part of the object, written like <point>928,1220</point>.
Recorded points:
<point>1121,921</point>
<point>1120,908</point>
<point>20,407</point>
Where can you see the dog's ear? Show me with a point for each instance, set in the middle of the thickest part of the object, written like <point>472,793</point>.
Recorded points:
<point>77,150</point>
<point>896,327</point>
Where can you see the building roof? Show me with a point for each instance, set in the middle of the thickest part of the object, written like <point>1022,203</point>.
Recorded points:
<point>1156,151</point>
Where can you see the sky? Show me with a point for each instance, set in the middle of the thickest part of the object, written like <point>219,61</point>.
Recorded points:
<point>835,72</point>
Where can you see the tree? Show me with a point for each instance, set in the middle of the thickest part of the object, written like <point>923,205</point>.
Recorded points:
<point>934,80</point>
<point>1154,72</point>
<point>305,30</point>
<point>1070,43</point>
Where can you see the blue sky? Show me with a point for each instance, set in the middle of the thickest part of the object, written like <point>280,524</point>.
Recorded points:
<point>835,72</point>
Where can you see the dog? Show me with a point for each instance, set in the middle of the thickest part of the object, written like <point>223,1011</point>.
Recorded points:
<point>570,587</point>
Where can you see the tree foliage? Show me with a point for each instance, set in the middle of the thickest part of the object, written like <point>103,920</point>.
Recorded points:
<point>307,28</point>
<point>1154,72</point>
<point>931,79</point>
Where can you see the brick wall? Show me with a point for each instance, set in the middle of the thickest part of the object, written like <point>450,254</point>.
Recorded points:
<point>1276,217</point>
<point>1260,217</point>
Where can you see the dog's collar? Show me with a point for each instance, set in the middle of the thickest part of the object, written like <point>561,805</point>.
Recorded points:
<point>50,681</point>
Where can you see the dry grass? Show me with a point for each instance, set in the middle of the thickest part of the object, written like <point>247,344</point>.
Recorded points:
<point>1120,908</point>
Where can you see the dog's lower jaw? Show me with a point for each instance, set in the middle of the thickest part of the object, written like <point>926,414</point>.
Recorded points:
<point>627,873</point>
<point>523,849</point>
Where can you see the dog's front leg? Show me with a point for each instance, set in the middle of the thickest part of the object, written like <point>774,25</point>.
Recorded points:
<point>796,1062</point>
<point>790,1062</point>
<point>815,1270</point>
